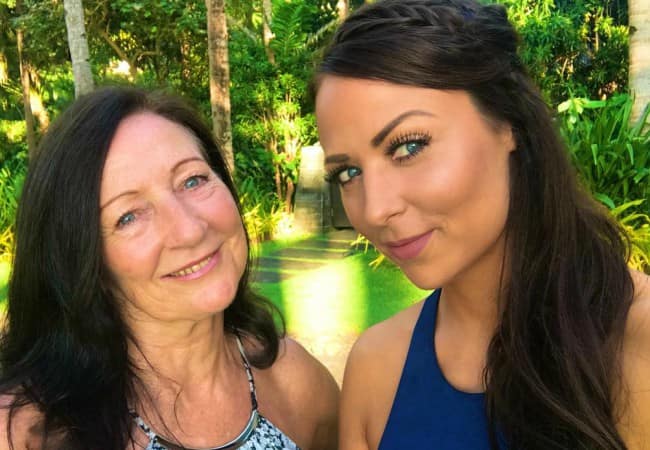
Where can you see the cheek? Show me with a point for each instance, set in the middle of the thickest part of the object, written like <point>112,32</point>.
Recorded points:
<point>225,217</point>
<point>131,258</point>
<point>473,175</point>
<point>224,210</point>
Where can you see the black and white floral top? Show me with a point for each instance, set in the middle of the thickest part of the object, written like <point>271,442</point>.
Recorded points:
<point>258,434</point>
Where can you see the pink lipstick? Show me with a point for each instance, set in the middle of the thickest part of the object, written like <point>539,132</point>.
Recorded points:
<point>408,248</point>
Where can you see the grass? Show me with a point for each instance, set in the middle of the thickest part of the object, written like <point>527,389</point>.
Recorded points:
<point>344,296</point>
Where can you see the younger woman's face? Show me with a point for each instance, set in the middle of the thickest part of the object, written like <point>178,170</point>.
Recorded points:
<point>423,175</point>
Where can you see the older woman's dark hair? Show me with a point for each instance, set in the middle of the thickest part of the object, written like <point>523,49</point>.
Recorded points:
<point>553,368</point>
<point>64,347</point>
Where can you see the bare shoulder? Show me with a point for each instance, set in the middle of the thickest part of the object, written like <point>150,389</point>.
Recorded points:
<point>18,425</point>
<point>635,420</point>
<point>301,394</point>
<point>371,377</point>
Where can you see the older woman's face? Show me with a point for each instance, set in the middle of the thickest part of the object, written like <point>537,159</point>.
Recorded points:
<point>172,235</point>
<point>422,174</point>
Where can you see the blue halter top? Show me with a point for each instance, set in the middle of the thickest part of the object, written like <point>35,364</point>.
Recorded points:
<point>427,411</point>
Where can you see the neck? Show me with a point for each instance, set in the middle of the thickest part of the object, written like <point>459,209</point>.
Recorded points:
<point>181,356</point>
<point>471,300</point>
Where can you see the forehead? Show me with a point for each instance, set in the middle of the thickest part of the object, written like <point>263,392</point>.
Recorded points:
<point>336,93</point>
<point>146,145</point>
<point>146,138</point>
<point>353,108</point>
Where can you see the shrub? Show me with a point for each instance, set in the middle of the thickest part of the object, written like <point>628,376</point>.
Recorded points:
<point>262,211</point>
<point>612,158</point>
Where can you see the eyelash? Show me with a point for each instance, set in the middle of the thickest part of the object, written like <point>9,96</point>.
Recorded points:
<point>420,138</point>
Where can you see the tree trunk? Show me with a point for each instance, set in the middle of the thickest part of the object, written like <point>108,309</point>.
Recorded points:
<point>26,86</point>
<point>267,34</point>
<point>74,22</point>
<point>342,7</point>
<point>220,77</point>
<point>4,68</point>
<point>639,11</point>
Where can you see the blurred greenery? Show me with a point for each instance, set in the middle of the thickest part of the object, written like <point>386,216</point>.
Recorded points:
<point>346,295</point>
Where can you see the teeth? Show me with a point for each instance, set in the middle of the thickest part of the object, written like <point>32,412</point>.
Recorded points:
<point>194,268</point>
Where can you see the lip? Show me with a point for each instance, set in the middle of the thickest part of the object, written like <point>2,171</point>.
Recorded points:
<point>408,248</point>
<point>212,260</point>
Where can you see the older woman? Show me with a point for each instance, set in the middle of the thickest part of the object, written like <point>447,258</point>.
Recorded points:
<point>537,336</point>
<point>130,322</point>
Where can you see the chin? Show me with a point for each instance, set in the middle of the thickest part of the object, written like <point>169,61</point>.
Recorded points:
<point>423,278</point>
<point>214,301</point>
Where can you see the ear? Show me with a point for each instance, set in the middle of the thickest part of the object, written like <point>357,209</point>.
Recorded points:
<point>507,137</point>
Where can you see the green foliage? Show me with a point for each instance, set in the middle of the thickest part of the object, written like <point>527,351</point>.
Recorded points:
<point>573,48</point>
<point>612,158</point>
<point>637,227</point>
<point>12,138</point>
<point>261,212</point>
<point>12,176</point>
<point>272,110</point>
<point>613,161</point>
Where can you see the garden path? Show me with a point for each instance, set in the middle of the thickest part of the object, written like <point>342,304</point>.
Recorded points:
<point>329,344</point>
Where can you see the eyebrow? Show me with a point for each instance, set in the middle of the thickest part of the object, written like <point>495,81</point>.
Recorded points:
<point>173,169</point>
<point>379,137</point>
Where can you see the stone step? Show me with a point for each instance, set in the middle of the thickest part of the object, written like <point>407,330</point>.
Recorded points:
<point>269,276</point>
<point>322,244</point>
<point>286,264</point>
<point>347,234</point>
<point>306,253</point>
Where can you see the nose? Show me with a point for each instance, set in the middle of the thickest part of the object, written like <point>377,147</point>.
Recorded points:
<point>181,224</point>
<point>382,197</point>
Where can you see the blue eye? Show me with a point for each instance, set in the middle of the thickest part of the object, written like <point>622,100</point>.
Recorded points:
<point>194,181</point>
<point>408,145</point>
<point>342,175</point>
<point>125,219</point>
<point>408,149</point>
<point>348,173</point>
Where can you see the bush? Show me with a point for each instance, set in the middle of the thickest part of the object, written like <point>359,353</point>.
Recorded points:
<point>637,227</point>
<point>612,158</point>
<point>262,211</point>
<point>573,48</point>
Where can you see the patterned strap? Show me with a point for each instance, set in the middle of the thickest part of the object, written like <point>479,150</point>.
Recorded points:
<point>249,372</point>
<point>158,442</point>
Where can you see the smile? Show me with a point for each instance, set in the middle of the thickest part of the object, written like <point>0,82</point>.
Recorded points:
<point>196,270</point>
<point>408,248</point>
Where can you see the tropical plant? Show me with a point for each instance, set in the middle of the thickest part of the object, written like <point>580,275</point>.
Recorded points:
<point>12,176</point>
<point>612,158</point>
<point>637,228</point>
<point>271,103</point>
<point>261,212</point>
